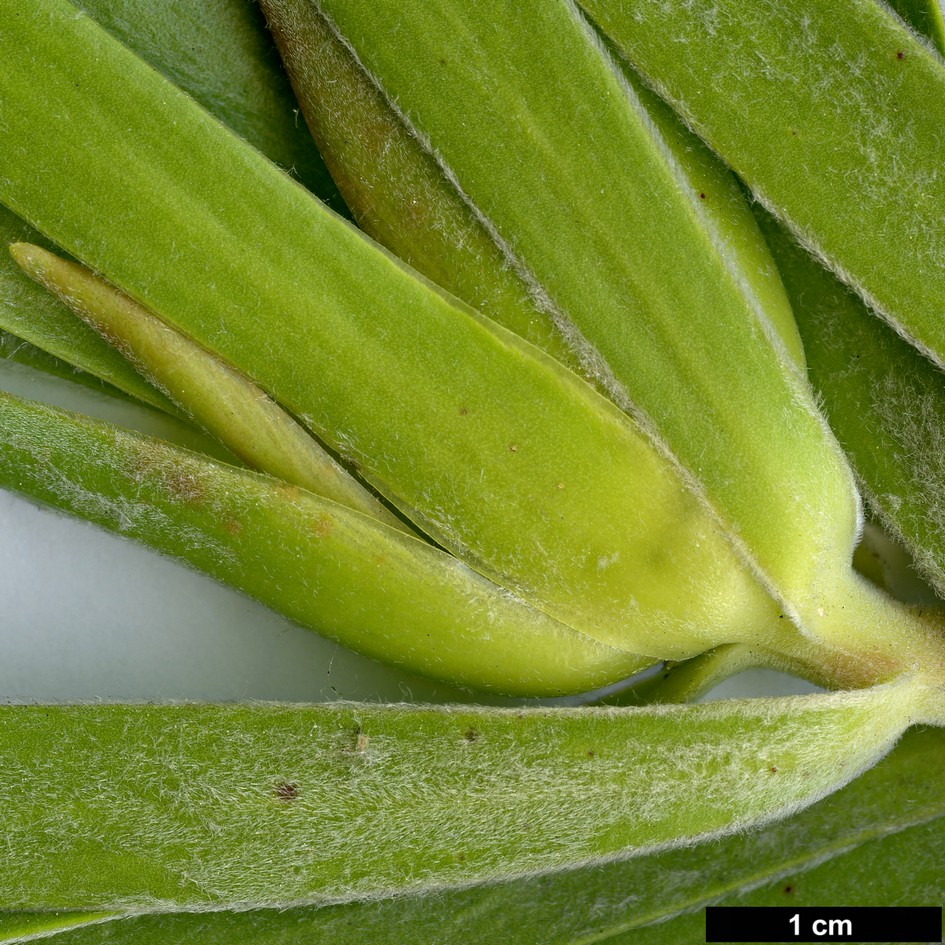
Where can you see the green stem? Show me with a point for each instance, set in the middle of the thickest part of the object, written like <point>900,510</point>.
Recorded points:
<point>879,636</point>
<point>689,680</point>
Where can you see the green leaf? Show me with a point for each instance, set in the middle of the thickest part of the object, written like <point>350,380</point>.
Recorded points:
<point>614,236</point>
<point>603,215</point>
<point>395,188</point>
<point>926,17</point>
<point>220,54</point>
<point>833,113</point>
<point>493,449</point>
<point>885,401</point>
<point>348,576</point>
<point>164,807</point>
<point>879,841</point>
<point>222,400</point>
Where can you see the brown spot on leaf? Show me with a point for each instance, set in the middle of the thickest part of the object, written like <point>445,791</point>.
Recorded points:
<point>470,735</point>
<point>773,769</point>
<point>322,526</point>
<point>232,526</point>
<point>900,54</point>
<point>463,411</point>
<point>513,447</point>
<point>179,481</point>
<point>702,196</point>
<point>591,753</point>
<point>286,791</point>
<point>360,741</point>
<point>184,485</point>
<point>788,890</point>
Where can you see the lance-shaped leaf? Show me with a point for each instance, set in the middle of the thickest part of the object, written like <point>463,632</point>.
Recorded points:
<point>494,449</point>
<point>157,807</point>
<point>833,113</point>
<point>539,129</point>
<point>221,55</point>
<point>225,403</point>
<point>346,575</point>
<point>878,841</point>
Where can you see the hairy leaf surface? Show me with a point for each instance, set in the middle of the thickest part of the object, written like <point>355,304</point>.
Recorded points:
<point>154,807</point>
<point>878,841</point>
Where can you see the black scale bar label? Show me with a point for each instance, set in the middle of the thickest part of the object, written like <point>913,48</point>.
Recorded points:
<point>807,924</point>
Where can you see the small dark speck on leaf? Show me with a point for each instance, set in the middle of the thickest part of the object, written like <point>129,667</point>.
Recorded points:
<point>788,890</point>
<point>702,196</point>
<point>463,411</point>
<point>590,753</point>
<point>360,739</point>
<point>900,54</point>
<point>773,769</point>
<point>513,447</point>
<point>470,734</point>
<point>286,791</point>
